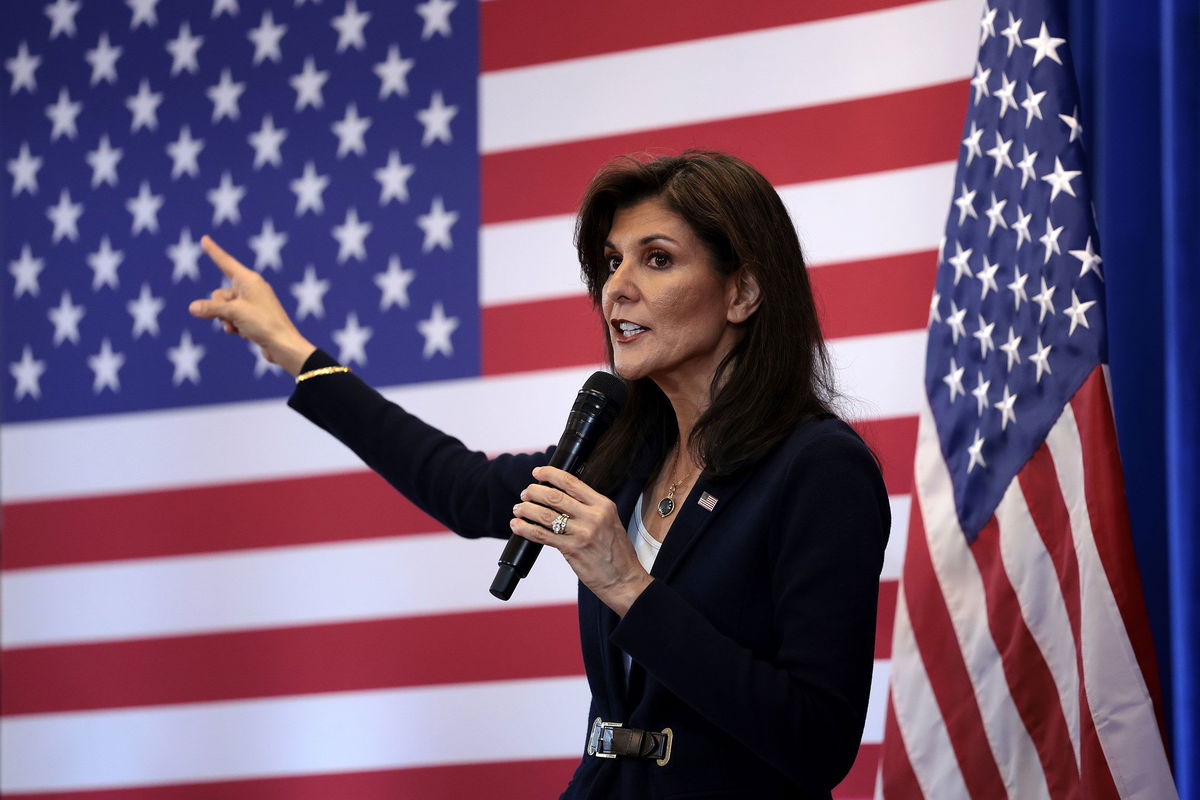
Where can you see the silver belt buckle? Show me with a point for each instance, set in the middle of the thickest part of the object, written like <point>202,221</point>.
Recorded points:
<point>594,738</point>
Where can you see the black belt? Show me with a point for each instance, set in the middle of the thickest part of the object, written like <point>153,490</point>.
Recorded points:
<point>612,739</point>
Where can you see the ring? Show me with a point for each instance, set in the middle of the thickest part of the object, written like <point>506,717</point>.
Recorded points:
<point>559,525</point>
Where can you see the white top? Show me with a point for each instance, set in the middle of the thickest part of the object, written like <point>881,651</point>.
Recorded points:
<point>646,547</point>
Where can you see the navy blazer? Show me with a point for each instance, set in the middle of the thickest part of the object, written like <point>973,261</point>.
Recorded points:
<point>755,641</point>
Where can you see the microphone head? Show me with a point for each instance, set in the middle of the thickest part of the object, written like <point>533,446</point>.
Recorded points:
<point>608,385</point>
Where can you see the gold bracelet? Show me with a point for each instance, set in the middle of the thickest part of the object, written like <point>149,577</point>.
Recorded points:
<point>316,373</point>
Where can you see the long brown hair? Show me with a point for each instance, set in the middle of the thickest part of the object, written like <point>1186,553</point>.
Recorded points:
<point>777,374</point>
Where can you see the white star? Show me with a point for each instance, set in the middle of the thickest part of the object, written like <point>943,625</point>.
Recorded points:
<point>62,17</point>
<point>225,199</point>
<point>1000,154</point>
<point>350,130</point>
<point>267,246</point>
<point>1049,240</point>
<point>972,142</point>
<point>65,317</point>
<point>65,216</point>
<point>310,295</point>
<point>183,49</point>
<point>23,68</point>
<point>24,169</point>
<point>979,82</point>
<point>955,321</point>
<point>1060,179</point>
<point>393,179</point>
<point>261,365</point>
<point>980,393</point>
<point>1041,359</point>
<point>1026,166</point>
<point>266,141</point>
<point>1077,311</point>
<point>352,237</point>
<point>953,380</point>
<point>987,277</point>
<point>144,12</point>
<point>1032,104</point>
<point>308,188</point>
<point>224,96</point>
<point>941,248</point>
<point>103,161</point>
<point>186,358</point>
<point>959,262</point>
<point>393,284</point>
<point>1012,33</point>
<point>145,311</point>
<point>995,214</point>
<point>975,452</point>
<point>1021,227</point>
<point>1089,260</point>
<point>934,314</point>
<point>229,7</point>
<point>436,225</point>
<point>1009,348</point>
<point>436,14</point>
<point>437,330</point>
<point>104,263</point>
<point>266,38</point>
<point>144,107</point>
<point>987,25</point>
<point>1046,46</point>
<point>185,256</point>
<point>183,152</point>
<point>308,83</point>
<point>62,114</point>
<point>106,364</point>
<point>1005,94</point>
<point>103,58</point>
<point>352,341</point>
<point>1045,299</point>
<point>1072,122</point>
<point>1005,407</point>
<point>966,205</point>
<point>393,73</point>
<point>436,119</point>
<point>28,374</point>
<point>984,335</point>
<point>349,25</point>
<point>25,271</point>
<point>1017,287</point>
<point>144,209</point>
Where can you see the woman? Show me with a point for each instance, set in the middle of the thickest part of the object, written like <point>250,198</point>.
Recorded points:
<point>729,530</point>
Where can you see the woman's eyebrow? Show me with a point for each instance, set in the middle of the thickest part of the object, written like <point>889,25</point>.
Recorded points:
<point>646,240</point>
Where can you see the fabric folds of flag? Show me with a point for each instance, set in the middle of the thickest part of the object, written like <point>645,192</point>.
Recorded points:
<point>1021,664</point>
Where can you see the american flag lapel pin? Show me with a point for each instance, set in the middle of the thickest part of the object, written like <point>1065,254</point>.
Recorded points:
<point>707,501</point>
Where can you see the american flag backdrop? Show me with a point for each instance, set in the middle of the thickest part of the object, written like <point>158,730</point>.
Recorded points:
<point>205,596</point>
<point>1022,664</point>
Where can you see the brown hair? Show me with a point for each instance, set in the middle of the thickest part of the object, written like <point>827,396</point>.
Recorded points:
<point>778,373</point>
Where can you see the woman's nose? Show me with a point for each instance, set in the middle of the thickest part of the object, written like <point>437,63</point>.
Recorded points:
<point>619,285</point>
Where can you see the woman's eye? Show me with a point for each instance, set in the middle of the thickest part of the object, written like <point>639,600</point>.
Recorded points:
<point>613,262</point>
<point>660,260</point>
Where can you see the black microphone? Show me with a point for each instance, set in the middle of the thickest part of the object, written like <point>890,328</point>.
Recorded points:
<point>596,406</point>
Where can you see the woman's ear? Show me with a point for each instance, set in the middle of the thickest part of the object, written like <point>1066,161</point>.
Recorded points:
<point>744,296</point>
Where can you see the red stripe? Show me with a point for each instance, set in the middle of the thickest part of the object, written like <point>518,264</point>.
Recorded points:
<point>894,441</point>
<point>793,146</point>
<point>885,620</point>
<point>944,665</point>
<point>899,780</point>
<point>1030,681</point>
<point>859,783</point>
<point>578,335</point>
<point>516,780</point>
<point>572,30</point>
<point>415,651</point>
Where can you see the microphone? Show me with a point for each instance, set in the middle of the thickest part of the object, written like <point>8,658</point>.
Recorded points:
<point>595,408</point>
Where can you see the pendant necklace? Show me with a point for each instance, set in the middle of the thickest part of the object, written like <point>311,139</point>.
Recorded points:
<point>667,504</point>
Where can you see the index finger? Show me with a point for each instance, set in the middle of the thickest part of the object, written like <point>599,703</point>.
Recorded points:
<point>229,265</point>
<point>566,482</point>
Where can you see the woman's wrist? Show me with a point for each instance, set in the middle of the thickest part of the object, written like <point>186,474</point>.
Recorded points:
<point>620,597</point>
<point>291,355</point>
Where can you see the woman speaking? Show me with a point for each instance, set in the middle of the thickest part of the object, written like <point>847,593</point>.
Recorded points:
<point>729,529</point>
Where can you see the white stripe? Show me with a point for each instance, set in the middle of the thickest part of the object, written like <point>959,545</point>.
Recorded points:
<point>1034,579</point>
<point>1116,690</point>
<point>893,556</point>
<point>301,735</point>
<point>906,209</point>
<point>279,586</point>
<point>877,704</point>
<point>792,66</point>
<point>264,439</point>
<point>922,730</point>
<point>962,586</point>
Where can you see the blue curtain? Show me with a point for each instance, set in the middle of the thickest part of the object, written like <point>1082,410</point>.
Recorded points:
<point>1139,65</point>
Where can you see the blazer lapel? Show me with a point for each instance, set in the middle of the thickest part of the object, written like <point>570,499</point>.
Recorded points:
<point>613,659</point>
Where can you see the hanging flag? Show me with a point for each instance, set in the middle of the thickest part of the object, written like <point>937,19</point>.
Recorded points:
<point>1022,664</point>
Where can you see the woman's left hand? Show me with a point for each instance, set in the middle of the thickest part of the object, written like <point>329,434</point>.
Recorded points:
<point>595,543</point>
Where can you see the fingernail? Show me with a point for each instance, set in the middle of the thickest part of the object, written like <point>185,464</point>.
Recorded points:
<point>524,494</point>
<point>515,510</point>
<point>512,524</point>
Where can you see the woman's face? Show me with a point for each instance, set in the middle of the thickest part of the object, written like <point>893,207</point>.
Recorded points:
<point>668,309</point>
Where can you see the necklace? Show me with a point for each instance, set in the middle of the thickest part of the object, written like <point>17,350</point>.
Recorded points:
<point>667,504</point>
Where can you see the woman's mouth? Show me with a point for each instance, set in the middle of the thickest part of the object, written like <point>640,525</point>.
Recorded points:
<point>627,331</point>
